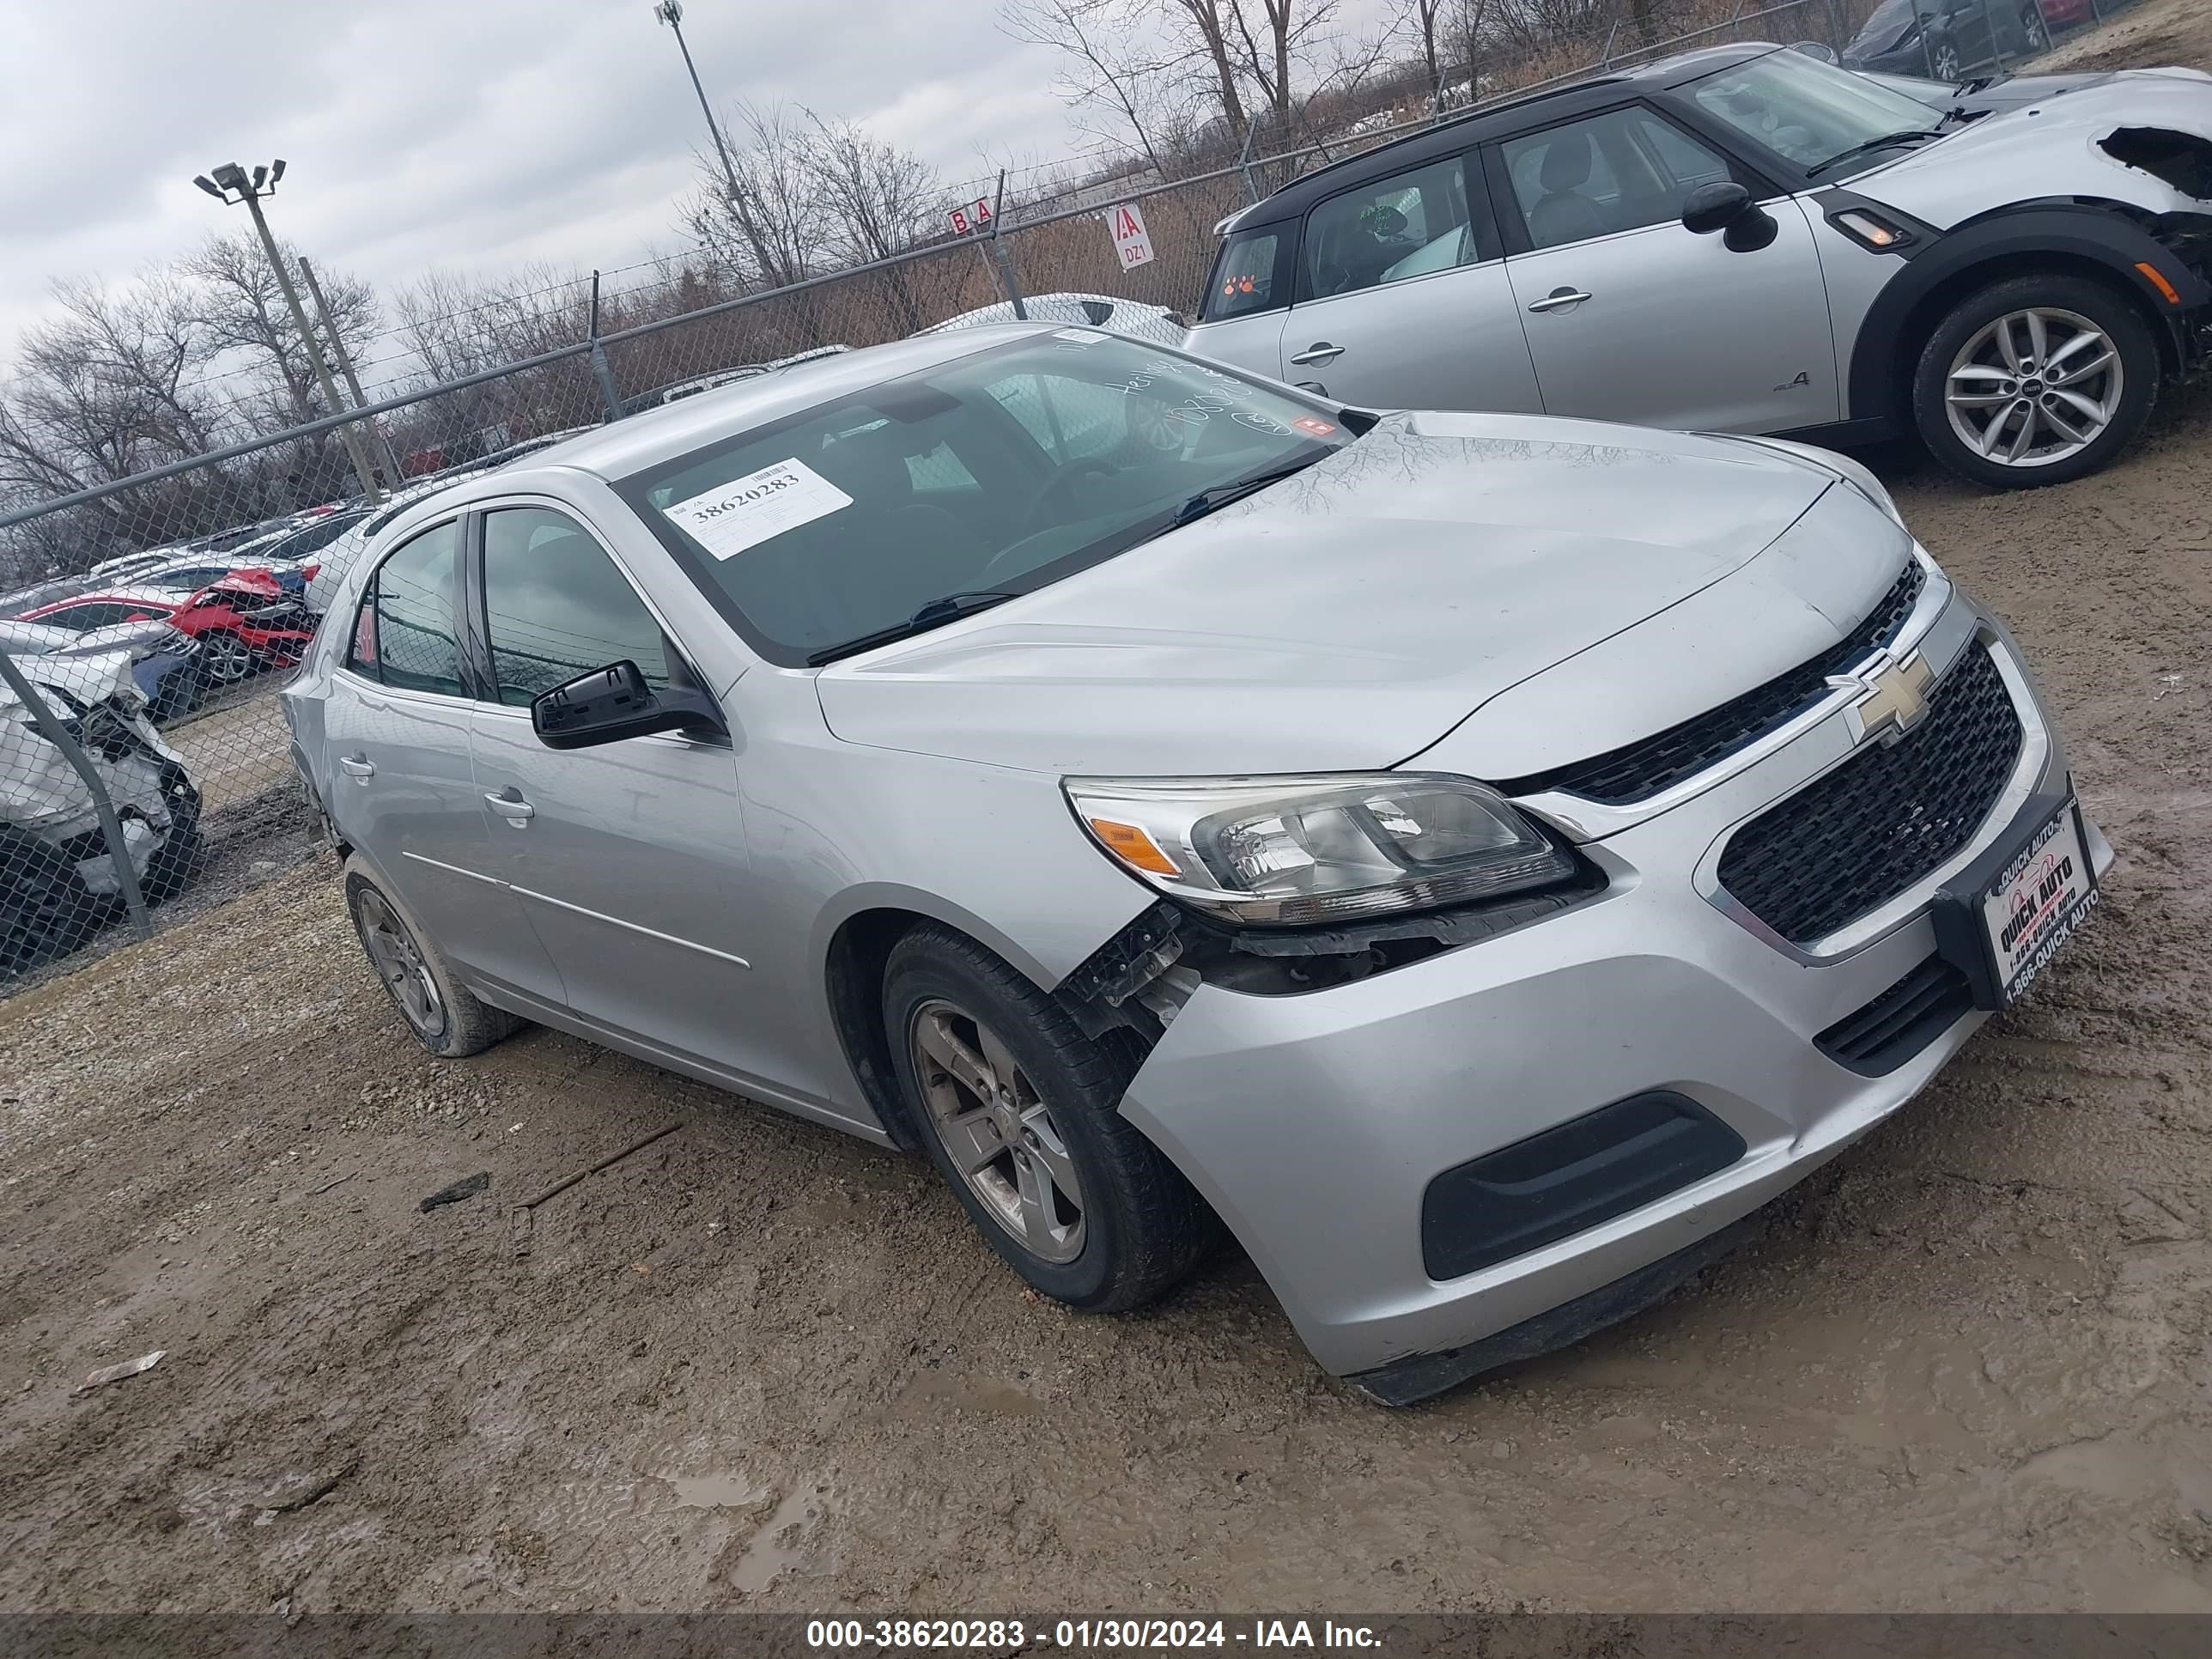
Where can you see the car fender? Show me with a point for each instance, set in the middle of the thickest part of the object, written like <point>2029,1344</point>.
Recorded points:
<point>1991,248</point>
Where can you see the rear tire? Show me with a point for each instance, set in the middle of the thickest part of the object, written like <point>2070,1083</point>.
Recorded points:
<point>446,1017</point>
<point>1978,382</point>
<point>45,910</point>
<point>1020,1112</point>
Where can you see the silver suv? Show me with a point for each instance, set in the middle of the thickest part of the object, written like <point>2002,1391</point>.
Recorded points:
<point>1747,239</point>
<point>1474,860</point>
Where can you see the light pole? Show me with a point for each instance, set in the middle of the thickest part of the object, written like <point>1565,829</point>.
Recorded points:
<point>671,12</point>
<point>229,183</point>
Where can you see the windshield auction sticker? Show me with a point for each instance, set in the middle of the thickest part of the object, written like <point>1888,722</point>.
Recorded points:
<point>745,511</point>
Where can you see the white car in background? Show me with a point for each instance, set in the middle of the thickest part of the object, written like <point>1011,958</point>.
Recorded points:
<point>1139,322</point>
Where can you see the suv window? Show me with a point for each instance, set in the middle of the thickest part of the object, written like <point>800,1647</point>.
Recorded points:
<point>557,606</point>
<point>1407,225</point>
<point>1620,171</point>
<point>405,635</point>
<point>1244,276</point>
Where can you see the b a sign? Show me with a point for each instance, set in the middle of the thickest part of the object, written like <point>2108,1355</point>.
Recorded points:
<point>972,216</point>
<point>1131,241</point>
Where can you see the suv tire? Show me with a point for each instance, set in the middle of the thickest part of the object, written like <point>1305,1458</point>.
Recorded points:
<point>1020,1112</point>
<point>2083,322</point>
<point>446,1017</point>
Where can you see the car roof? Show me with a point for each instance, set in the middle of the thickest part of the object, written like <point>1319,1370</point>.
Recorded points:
<point>1485,124</point>
<point>119,594</point>
<point>642,440</point>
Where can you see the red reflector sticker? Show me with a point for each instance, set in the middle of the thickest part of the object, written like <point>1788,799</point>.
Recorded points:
<point>1319,428</point>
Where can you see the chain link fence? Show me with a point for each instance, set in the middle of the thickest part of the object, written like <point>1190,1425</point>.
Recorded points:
<point>144,761</point>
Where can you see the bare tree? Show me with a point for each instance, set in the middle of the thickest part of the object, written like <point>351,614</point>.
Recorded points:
<point>107,386</point>
<point>768,227</point>
<point>241,308</point>
<point>875,199</point>
<point>1119,74</point>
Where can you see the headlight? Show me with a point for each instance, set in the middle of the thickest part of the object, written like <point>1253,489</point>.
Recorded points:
<point>1329,848</point>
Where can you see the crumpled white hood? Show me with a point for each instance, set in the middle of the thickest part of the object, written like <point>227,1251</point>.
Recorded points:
<point>2049,149</point>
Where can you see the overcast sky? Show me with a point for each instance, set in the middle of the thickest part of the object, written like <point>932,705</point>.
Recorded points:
<point>472,134</point>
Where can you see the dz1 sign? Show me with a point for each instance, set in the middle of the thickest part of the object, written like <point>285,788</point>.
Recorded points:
<point>1131,239</point>
<point>977,215</point>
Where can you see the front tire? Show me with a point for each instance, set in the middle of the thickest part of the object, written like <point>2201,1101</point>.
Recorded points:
<point>1018,1110</point>
<point>45,910</point>
<point>2035,382</point>
<point>446,1017</point>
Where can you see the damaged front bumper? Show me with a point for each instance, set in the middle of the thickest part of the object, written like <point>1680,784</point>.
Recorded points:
<point>43,794</point>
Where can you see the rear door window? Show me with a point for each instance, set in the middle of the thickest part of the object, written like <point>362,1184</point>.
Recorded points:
<point>1245,276</point>
<point>404,634</point>
<point>1407,225</point>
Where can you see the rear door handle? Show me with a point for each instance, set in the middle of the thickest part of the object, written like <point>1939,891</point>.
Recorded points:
<point>356,766</point>
<point>1321,351</point>
<point>1559,299</point>
<point>510,805</point>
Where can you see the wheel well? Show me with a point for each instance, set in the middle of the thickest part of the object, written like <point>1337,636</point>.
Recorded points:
<point>1928,312</point>
<point>858,952</point>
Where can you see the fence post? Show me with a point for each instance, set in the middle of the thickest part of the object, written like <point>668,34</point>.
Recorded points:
<point>110,827</point>
<point>601,370</point>
<point>345,366</point>
<point>995,256</point>
<point>1244,155</point>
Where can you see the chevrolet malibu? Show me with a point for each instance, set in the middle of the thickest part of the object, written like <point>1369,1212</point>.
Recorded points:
<point>1475,860</point>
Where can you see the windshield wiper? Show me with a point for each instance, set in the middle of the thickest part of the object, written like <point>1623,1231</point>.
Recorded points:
<point>1215,496</point>
<point>1907,136</point>
<point>946,607</point>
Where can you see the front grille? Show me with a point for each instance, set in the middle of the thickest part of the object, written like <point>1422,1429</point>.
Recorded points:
<point>1640,770</point>
<point>1885,818</point>
<point>1878,1038</point>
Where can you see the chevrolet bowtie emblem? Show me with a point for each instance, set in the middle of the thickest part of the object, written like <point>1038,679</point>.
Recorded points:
<point>1895,700</point>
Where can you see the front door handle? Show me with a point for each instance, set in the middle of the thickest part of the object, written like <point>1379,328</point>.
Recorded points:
<point>1321,351</point>
<point>356,766</point>
<point>1559,299</point>
<point>509,805</point>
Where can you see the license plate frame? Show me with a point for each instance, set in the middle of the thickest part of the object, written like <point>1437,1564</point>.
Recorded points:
<point>2002,919</point>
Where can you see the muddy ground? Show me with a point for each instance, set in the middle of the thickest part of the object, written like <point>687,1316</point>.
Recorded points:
<point>763,1366</point>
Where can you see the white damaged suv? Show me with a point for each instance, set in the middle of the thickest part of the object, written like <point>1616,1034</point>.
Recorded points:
<point>1747,239</point>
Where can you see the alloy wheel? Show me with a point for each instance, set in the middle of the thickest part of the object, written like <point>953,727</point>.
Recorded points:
<point>998,1133</point>
<point>1946,64</point>
<point>2034,386</point>
<point>398,963</point>
<point>227,658</point>
<point>2032,25</point>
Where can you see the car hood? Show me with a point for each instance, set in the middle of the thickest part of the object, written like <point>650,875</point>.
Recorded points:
<point>1351,615</point>
<point>2048,147</point>
<point>88,677</point>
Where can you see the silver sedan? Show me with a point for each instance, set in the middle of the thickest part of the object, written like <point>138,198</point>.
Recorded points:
<point>1473,859</point>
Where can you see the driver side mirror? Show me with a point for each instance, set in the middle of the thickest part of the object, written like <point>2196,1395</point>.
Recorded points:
<point>1727,207</point>
<point>614,702</point>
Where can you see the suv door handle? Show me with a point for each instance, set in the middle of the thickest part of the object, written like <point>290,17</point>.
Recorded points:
<point>356,766</point>
<point>509,805</point>
<point>1321,351</point>
<point>1557,298</point>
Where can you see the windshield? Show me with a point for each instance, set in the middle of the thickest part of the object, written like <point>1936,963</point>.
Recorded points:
<point>1805,110</point>
<point>1001,471</point>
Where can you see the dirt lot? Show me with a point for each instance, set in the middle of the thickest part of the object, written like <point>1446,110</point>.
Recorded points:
<point>761,1365</point>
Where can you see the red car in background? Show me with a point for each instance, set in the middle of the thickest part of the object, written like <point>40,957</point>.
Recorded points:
<point>245,622</point>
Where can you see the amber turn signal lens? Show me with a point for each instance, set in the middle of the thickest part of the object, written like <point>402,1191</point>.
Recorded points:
<point>1127,843</point>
